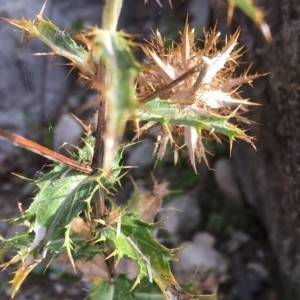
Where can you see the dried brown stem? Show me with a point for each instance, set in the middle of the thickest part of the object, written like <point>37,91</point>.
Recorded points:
<point>99,151</point>
<point>167,87</point>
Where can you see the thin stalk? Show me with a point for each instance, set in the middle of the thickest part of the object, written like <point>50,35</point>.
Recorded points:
<point>111,14</point>
<point>99,152</point>
<point>110,17</point>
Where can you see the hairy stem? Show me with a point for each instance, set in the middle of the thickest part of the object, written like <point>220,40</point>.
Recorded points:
<point>111,13</point>
<point>102,150</point>
<point>99,152</point>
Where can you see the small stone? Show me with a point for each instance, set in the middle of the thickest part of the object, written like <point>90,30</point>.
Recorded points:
<point>58,288</point>
<point>259,269</point>
<point>227,183</point>
<point>3,226</point>
<point>238,238</point>
<point>67,131</point>
<point>141,154</point>
<point>181,216</point>
<point>200,258</point>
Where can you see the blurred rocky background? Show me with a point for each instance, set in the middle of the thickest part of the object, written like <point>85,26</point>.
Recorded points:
<point>239,222</point>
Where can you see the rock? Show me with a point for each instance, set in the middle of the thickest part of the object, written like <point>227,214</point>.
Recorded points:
<point>3,226</point>
<point>58,288</point>
<point>204,239</point>
<point>67,131</point>
<point>227,183</point>
<point>237,239</point>
<point>259,269</point>
<point>181,216</point>
<point>141,154</point>
<point>199,260</point>
<point>253,280</point>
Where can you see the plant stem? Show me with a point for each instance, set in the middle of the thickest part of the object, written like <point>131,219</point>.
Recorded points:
<point>110,17</point>
<point>111,13</point>
<point>99,152</point>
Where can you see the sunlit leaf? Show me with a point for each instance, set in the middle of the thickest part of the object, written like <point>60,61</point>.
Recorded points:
<point>121,69</point>
<point>21,274</point>
<point>120,289</point>
<point>63,194</point>
<point>195,119</point>
<point>102,289</point>
<point>59,41</point>
<point>135,240</point>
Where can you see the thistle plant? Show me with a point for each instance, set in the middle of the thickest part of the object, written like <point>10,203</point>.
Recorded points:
<point>191,93</point>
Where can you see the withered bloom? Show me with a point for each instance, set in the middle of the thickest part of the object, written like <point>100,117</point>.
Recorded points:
<point>198,83</point>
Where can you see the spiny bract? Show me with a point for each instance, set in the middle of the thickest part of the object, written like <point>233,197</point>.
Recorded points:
<point>198,82</point>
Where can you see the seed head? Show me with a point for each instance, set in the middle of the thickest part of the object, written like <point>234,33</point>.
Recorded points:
<point>198,82</point>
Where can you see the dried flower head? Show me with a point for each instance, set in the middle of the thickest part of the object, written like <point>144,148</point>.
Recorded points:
<point>200,88</point>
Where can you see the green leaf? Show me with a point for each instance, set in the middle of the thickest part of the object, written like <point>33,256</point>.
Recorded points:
<point>117,170</point>
<point>102,290</point>
<point>59,41</point>
<point>248,7</point>
<point>121,289</point>
<point>164,112</point>
<point>134,239</point>
<point>63,194</point>
<point>113,49</point>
